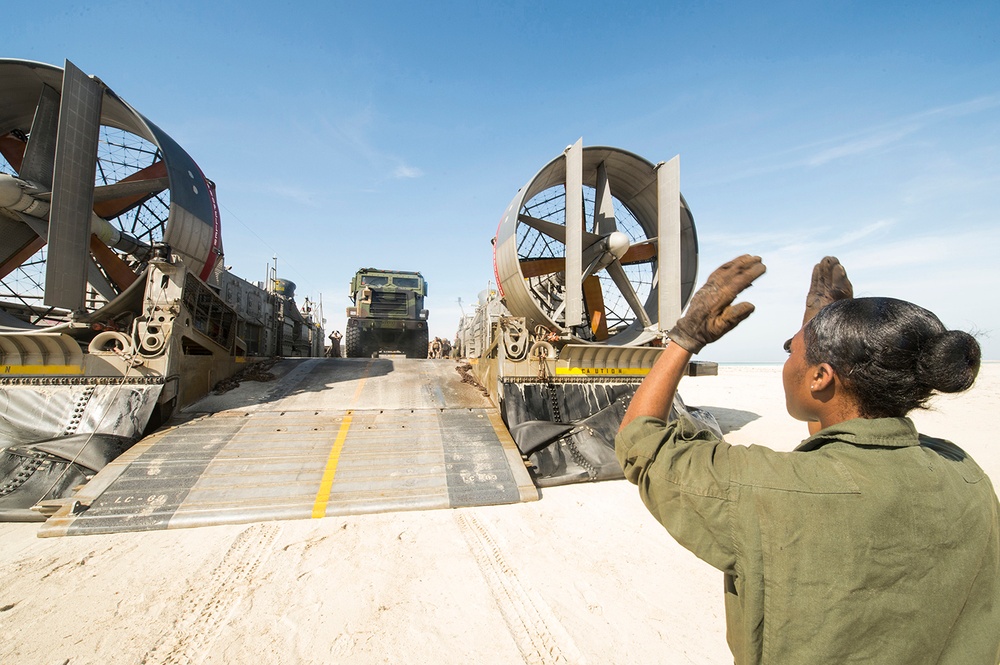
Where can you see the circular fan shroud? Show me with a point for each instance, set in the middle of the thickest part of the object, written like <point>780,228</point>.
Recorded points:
<point>120,155</point>
<point>633,184</point>
<point>185,216</point>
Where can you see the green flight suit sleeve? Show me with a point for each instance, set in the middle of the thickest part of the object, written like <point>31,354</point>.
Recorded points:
<point>682,471</point>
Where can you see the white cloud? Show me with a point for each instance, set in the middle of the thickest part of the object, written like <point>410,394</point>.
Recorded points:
<point>886,134</point>
<point>877,139</point>
<point>863,141</point>
<point>355,134</point>
<point>404,171</point>
<point>854,235</point>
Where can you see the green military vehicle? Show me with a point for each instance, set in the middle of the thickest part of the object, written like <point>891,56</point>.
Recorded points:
<point>388,314</point>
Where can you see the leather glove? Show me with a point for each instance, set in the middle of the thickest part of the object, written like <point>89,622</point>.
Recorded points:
<point>829,283</point>
<point>711,313</point>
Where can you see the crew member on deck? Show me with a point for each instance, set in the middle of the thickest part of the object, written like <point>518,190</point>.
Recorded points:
<point>869,543</point>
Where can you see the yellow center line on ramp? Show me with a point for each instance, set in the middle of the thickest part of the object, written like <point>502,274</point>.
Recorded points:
<point>326,484</point>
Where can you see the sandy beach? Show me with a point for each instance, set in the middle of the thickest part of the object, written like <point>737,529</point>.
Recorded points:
<point>585,575</point>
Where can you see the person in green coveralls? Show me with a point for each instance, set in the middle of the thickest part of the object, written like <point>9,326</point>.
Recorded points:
<point>869,543</point>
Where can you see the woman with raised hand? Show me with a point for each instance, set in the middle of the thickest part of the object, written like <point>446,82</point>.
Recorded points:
<point>869,543</point>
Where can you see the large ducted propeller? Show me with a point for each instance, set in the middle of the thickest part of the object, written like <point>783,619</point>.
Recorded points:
<point>577,268</point>
<point>587,253</point>
<point>54,197</point>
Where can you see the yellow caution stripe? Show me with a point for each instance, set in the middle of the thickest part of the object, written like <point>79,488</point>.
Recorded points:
<point>326,484</point>
<point>602,371</point>
<point>41,369</point>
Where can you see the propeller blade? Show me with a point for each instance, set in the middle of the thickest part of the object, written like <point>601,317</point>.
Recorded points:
<point>98,282</point>
<point>574,234</point>
<point>21,254</point>
<point>119,271</point>
<point>593,295</point>
<point>553,230</point>
<point>546,266</point>
<point>39,226</point>
<point>621,280</point>
<point>110,201</point>
<point>39,153</point>
<point>75,165</point>
<point>550,229</point>
<point>604,205</point>
<point>122,192</point>
<point>639,252</point>
<point>12,148</point>
<point>129,188</point>
<point>539,267</point>
<point>22,235</point>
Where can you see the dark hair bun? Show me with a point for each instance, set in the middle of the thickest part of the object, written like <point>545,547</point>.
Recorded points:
<point>949,362</point>
<point>891,355</point>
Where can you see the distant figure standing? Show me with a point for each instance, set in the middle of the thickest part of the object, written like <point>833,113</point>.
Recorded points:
<point>445,348</point>
<point>436,348</point>
<point>334,344</point>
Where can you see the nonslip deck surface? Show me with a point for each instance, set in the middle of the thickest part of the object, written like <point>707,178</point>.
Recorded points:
<point>328,437</point>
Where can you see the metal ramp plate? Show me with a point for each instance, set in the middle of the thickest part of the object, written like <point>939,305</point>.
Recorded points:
<point>329,437</point>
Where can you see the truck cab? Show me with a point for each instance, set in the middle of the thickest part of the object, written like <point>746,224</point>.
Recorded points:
<point>388,314</point>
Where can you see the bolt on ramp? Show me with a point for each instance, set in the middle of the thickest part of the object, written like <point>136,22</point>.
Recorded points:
<point>329,436</point>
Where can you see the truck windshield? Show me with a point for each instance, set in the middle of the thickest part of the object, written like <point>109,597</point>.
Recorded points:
<point>374,280</point>
<point>406,282</point>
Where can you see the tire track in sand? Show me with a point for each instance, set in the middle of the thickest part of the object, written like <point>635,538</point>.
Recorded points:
<point>539,636</point>
<point>211,600</point>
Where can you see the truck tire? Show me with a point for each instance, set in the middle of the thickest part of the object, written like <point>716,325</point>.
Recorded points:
<point>417,346</point>
<point>354,345</point>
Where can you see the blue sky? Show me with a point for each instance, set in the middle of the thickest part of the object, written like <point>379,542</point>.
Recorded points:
<point>390,134</point>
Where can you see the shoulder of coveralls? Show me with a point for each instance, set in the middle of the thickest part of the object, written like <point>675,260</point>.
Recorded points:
<point>681,452</point>
<point>893,433</point>
<point>684,428</point>
<point>822,463</point>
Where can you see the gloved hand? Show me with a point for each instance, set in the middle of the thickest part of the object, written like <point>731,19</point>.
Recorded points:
<point>829,283</point>
<point>711,313</point>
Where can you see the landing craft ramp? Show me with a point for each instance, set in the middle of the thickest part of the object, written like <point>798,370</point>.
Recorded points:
<point>330,436</point>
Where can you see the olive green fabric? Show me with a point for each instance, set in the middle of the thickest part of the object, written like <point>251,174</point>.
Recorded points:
<point>867,544</point>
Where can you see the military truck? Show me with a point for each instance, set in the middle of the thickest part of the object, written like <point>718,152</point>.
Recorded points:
<point>388,314</point>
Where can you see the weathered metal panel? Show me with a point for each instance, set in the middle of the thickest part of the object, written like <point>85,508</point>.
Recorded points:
<point>331,437</point>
